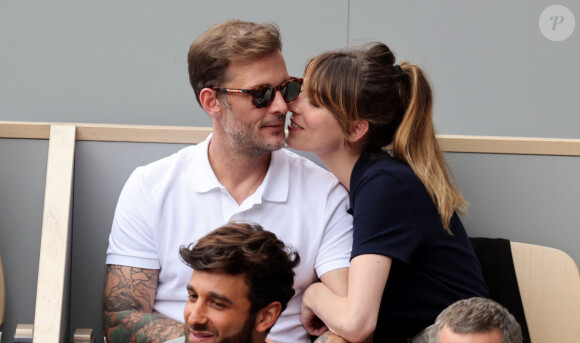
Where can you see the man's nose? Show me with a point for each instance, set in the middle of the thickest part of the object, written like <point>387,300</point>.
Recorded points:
<point>197,313</point>
<point>279,105</point>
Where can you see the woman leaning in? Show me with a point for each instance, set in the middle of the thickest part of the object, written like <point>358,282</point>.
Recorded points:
<point>411,256</point>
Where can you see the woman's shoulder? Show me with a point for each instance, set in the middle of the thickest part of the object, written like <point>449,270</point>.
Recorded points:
<point>383,170</point>
<point>389,180</point>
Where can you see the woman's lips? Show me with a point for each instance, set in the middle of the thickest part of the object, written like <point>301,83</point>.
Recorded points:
<point>293,125</point>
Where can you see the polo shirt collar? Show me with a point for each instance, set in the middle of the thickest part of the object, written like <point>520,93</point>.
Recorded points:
<point>277,181</point>
<point>274,188</point>
<point>204,179</point>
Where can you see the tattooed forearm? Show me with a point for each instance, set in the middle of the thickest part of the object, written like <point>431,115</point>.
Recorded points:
<point>132,326</point>
<point>129,288</point>
<point>128,307</point>
<point>162,329</point>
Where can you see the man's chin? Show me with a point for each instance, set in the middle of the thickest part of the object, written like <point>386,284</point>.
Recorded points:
<point>270,146</point>
<point>277,141</point>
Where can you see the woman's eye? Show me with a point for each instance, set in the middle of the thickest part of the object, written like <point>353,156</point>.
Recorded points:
<point>314,105</point>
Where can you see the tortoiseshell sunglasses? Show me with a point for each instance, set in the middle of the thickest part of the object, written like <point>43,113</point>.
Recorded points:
<point>263,96</point>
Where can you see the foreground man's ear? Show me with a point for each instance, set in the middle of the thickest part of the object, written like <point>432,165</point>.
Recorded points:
<point>267,316</point>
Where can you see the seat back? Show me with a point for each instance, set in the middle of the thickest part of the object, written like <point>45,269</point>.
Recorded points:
<point>549,283</point>
<point>495,257</point>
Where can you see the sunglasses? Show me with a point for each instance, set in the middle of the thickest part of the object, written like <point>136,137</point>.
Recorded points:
<point>263,96</point>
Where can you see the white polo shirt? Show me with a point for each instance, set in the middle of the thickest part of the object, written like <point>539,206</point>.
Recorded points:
<point>178,199</point>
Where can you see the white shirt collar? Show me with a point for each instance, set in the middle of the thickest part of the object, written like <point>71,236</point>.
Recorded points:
<point>277,180</point>
<point>273,188</point>
<point>204,179</point>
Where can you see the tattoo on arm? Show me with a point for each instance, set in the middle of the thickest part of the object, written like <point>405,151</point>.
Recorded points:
<point>128,307</point>
<point>129,288</point>
<point>327,337</point>
<point>163,329</point>
<point>132,326</point>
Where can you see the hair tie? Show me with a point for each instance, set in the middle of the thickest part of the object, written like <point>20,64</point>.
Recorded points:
<point>398,69</point>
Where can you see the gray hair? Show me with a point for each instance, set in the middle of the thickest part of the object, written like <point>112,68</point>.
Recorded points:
<point>478,315</point>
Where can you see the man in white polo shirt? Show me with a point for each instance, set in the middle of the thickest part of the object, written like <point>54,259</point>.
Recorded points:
<point>240,173</point>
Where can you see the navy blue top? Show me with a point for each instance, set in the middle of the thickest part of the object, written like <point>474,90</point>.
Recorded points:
<point>394,216</point>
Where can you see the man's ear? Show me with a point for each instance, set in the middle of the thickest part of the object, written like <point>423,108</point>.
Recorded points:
<point>209,102</point>
<point>358,130</point>
<point>267,316</point>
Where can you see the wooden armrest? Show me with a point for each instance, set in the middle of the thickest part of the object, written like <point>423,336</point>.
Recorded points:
<point>83,335</point>
<point>23,333</point>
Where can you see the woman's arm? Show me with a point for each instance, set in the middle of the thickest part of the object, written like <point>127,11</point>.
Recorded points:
<point>353,317</point>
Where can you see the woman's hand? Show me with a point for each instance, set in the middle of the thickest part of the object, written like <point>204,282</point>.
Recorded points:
<point>311,322</point>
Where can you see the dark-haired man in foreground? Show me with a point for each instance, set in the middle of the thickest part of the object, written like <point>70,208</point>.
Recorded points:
<point>242,281</point>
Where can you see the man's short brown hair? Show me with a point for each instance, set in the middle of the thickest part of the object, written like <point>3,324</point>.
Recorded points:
<point>233,41</point>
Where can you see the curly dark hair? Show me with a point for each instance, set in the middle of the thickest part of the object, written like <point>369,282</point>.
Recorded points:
<point>248,249</point>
